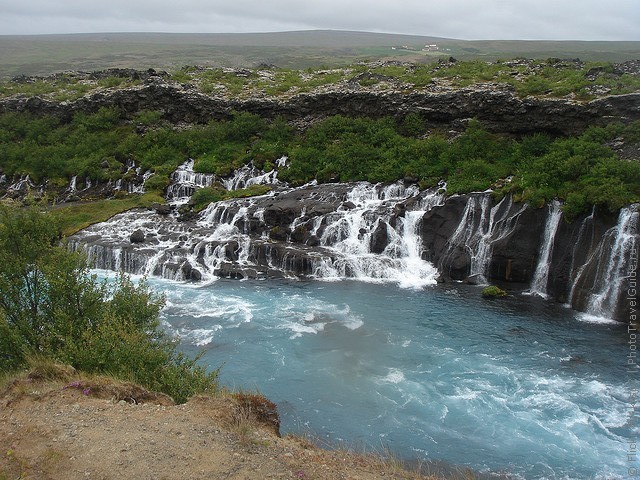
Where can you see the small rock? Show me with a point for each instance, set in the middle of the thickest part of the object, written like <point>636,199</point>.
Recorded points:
<point>137,236</point>
<point>161,208</point>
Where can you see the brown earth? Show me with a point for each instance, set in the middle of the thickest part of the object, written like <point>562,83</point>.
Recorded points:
<point>97,428</point>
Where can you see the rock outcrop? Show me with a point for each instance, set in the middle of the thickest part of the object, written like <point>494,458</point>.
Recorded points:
<point>499,109</point>
<point>587,269</point>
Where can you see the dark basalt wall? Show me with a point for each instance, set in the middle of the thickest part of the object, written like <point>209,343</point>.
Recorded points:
<point>587,240</point>
<point>500,110</point>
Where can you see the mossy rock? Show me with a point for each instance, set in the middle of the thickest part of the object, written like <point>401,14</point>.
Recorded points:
<point>493,292</point>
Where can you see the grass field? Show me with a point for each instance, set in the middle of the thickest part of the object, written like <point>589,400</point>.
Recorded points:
<point>45,54</point>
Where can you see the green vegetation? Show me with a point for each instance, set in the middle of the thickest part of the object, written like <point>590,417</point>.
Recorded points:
<point>99,146</point>
<point>550,78</point>
<point>52,307</point>
<point>493,292</point>
<point>582,171</point>
<point>74,217</point>
<point>61,87</point>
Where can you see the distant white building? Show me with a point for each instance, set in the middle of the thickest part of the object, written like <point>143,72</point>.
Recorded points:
<point>430,48</point>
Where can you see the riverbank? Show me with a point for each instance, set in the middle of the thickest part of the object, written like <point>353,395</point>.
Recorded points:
<point>96,428</point>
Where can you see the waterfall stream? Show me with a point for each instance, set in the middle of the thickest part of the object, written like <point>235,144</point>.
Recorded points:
<point>616,266</point>
<point>363,231</point>
<point>373,244</point>
<point>481,226</point>
<point>541,275</point>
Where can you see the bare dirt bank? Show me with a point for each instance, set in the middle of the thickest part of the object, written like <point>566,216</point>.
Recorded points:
<point>88,429</point>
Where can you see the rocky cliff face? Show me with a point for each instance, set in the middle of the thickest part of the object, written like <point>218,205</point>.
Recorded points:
<point>588,265</point>
<point>498,108</point>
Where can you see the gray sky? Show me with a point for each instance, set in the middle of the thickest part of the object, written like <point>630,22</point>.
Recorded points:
<point>466,19</point>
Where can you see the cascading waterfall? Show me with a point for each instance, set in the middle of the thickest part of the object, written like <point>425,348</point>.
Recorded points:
<point>613,269</point>
<point>185,181</point>
<point>480,227</point>
<point>541,275</point>
<point>139,188</point>
<point>72,185</point>
<point>248,176</point>
<point>358,232</point>
<point>574,270</point>
<point>23,184</point>
<point>372,236</point>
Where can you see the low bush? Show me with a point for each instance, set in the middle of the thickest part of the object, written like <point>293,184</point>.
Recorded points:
<point>51,306</point>
<point>582,171</point>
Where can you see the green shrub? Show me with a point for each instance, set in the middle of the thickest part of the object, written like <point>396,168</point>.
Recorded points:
<point>50,305</point>
<point>583,171</point>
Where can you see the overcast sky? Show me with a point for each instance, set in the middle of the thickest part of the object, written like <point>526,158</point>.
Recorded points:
<point>465,19</point>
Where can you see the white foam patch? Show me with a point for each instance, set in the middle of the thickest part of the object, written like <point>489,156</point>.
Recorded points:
<point>353,323</point>
<point>585,317</point>
<point>298,329</point>
<point>199,336</point>
<point>464,394</point>
<point>309,312</point>
<point>394,376</point>
<point>200,304</point>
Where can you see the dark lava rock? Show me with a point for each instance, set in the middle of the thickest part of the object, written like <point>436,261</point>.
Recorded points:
<point>161,208</point>
<point>278,233</point>
<point>137,236</point>
<point>379,238</point>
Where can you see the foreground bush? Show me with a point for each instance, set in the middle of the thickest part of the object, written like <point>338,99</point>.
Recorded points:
<point>50,305</point>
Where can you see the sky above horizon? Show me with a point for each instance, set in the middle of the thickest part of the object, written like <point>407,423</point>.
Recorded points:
<point>463,19</point>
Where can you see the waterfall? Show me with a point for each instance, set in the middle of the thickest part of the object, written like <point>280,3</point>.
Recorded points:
<point>362,231</point>
<point>184,182</point>
<point>541,275</point>
<point>249,175</point>
<point>24,184</point>
<point>357,234</point>
<point>139,188</point>
<point>480,227</point>
<point>574,271</point>
<point>370,232</point>
<point>72,184</point>
<point>615,268</point>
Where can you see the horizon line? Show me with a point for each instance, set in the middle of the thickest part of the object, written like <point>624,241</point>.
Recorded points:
<point>323,30</point>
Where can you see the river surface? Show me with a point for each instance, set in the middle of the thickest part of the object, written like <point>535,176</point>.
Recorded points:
<point>516,386</point>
